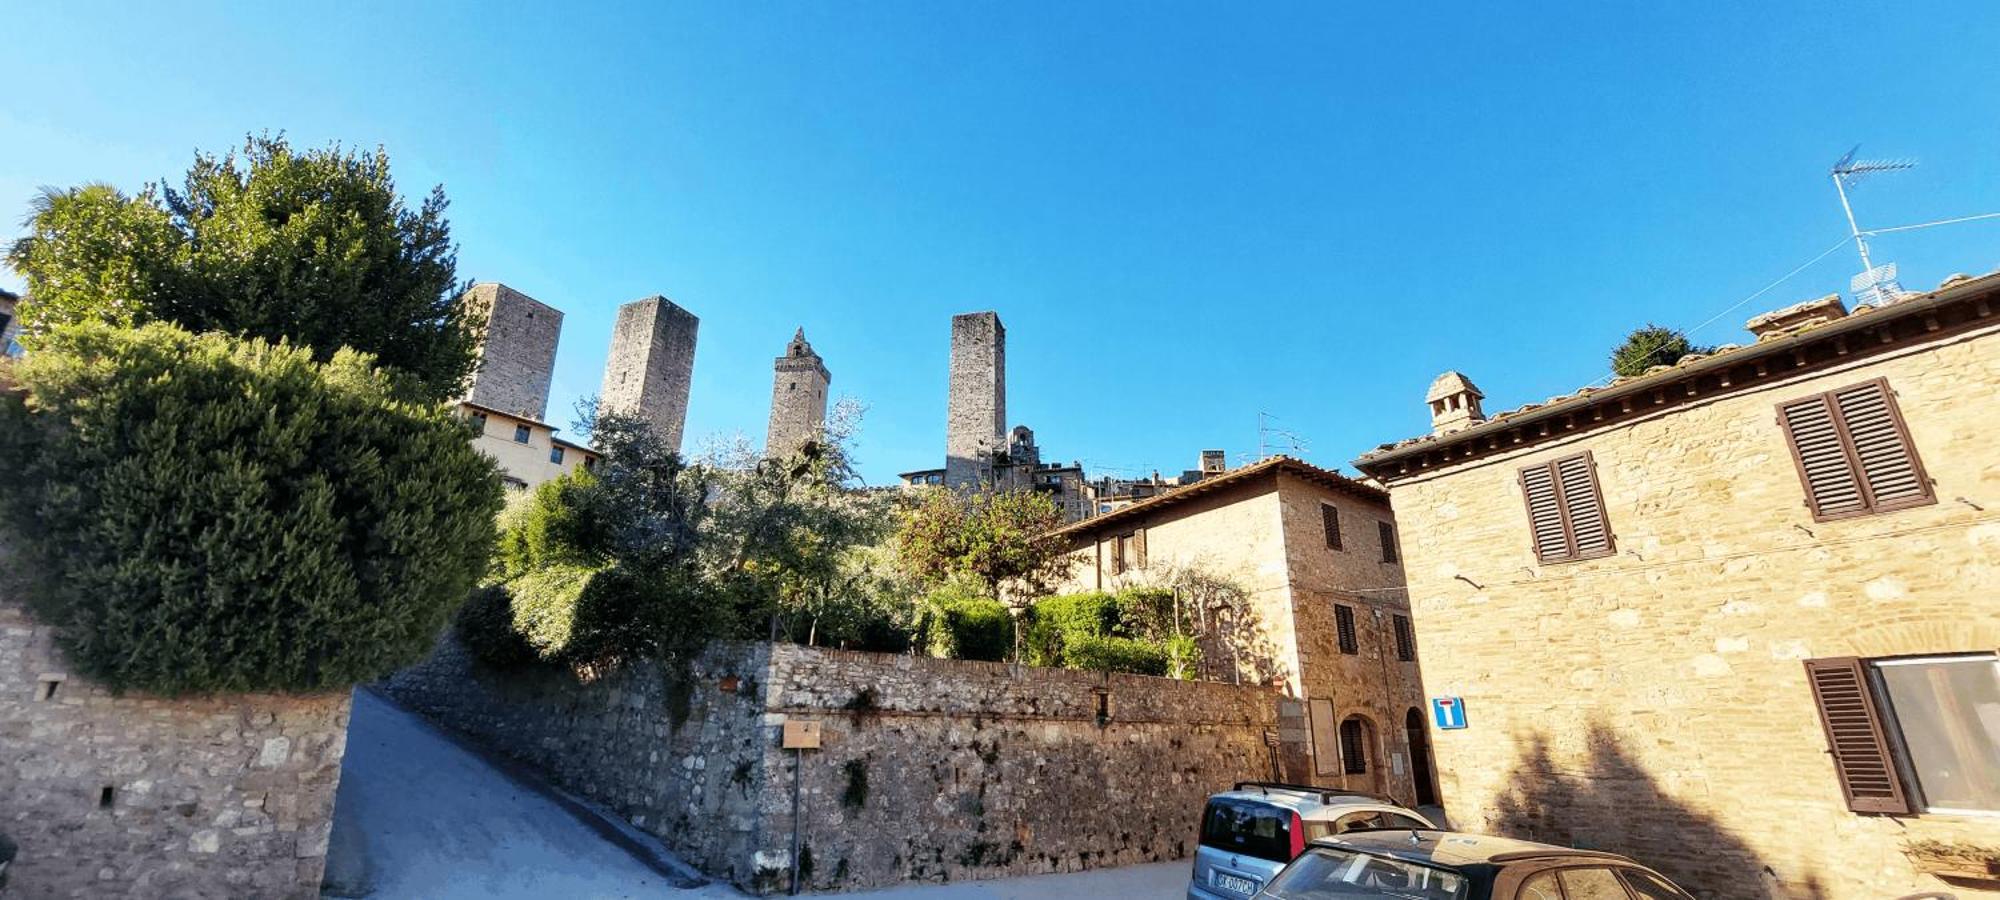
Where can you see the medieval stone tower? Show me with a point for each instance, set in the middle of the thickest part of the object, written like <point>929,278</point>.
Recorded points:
<point>651,365</point>
<point>798,398</point>
<point>517,351</point>
<point>976,413</point>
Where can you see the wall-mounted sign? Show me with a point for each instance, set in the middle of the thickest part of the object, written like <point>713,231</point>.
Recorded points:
<point>1448,712</point>
<point>801,735</point>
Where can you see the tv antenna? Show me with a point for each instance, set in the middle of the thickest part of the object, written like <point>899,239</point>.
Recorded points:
<point>1268,434</point>
<point>1876,284</point>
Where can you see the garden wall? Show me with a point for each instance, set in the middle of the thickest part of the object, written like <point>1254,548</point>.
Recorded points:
<point>138,796</point>
<point>930,770</point>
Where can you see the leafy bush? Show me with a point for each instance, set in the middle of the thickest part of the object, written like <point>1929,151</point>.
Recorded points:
<point>957,622</point>
<point>486,624</point>
<point>1116,654</point>
<point>1053,623</point>
<point>212,514</point>
<point>1146,612</point>
<point>1183,657</point>
<point>555,525</point>
<point>597,618</point>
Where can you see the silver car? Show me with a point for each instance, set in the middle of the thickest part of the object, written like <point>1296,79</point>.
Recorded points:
<point>1250,832</point>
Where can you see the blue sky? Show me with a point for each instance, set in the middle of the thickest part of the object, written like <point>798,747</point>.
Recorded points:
<point>1186,215</point>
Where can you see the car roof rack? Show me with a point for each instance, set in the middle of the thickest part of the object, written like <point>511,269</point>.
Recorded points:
<point>1325,795</point>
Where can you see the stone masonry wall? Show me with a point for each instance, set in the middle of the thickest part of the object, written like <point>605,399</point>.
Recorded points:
<point>517,351</point>
<point>650,367</point>
<point>680,758</point>
<point>944,770</point>
<point>930,770</point>
<point>1654,702</point>
<point>144,797</point>
<point>976,405</point>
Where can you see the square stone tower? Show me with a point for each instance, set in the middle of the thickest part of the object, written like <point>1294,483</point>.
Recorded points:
<point>976,412</point>
<point>651,365</point>
<point>798,399</point>
<point>517,350</point>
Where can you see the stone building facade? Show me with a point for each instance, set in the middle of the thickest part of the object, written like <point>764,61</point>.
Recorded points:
<point>1322,612</point>
<point>798,398</point>
<point>136,796</point>
<point>528,450</point>
<point>651,365</point>
<point>976,404</point>
<point>517,351</point>
<point>1735,617</point>
<point>926,769</point>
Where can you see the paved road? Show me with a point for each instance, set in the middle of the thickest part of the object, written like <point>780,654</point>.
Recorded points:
<point>421,818</point>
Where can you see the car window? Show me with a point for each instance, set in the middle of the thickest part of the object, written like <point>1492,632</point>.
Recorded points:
<point>1366,820</point>
<point>1247,827</point>
<point>1591,884</point>
<point>1398,821</point>
<point>1651,886</point>
<point>1328,873</point>
<point>1540,887</point>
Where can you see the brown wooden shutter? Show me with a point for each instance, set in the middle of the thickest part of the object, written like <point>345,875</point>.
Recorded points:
<point>1825,465</point>
<point>1406,649</point>
<point>1545,519</point>
<point>1343,620</point>
<point>1589,534</point>
<point>1388,534</point>
<point>1854,735</point>
<point>1890,472</point>
<point>1329,519</point>
<point>1139,549</point>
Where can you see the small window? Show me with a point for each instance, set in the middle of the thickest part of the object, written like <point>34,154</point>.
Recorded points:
<point>1343,619</point>
<point>478,421</point>
<point>1853,452</point>
<point>1121,549</point>
<point>556,454</point>
<point>1354,747</point>
<point>1406,649</point>
<point>1329,521</point>
<point>520,434</point>
<point>590,463</point>
<point>1566,510</point>
<point>1908,733</point>
<point>1388,534</point>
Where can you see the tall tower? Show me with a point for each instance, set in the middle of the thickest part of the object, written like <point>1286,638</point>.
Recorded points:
<point>976,413</point>
<point>651,365</point>
<point>798,399</point>
<point>517,350</point>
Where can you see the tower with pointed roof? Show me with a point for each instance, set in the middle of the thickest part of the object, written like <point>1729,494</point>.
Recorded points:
<point>798,398</point>
<point>1454,402</point>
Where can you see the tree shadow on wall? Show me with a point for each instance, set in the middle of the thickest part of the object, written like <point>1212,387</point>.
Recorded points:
<point>1613,803</point>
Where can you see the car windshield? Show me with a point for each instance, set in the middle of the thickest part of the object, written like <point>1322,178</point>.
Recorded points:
<point>1326,873</point>
<point>1248,828</point>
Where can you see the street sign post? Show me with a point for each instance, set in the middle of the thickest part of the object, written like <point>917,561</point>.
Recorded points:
<point>1448,713</point>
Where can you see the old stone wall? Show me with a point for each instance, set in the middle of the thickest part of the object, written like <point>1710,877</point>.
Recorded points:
<point>650,367</point>
<point>1654,702</point>
<point>944,770</point>
<point>976,404</point>
<point>929,770</point>
<point>136,796</point>
<point>517,351</point>
<point>679,755</point>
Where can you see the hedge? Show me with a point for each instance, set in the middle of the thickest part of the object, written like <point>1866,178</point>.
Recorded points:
<point>1055,622</point>
<point>600,617</point>
<point>1116,654</point>
<point>209,514</point>
<point>957,623</point>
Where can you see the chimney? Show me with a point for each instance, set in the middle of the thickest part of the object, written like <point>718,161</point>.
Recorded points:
<point>1797,317</point>
<point>1454,402</point>
<point>1213,462</point>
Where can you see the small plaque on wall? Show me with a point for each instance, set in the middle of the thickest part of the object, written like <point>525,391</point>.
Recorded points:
<point>801,734</point>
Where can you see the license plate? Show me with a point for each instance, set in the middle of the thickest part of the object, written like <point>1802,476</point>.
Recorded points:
<point>1232,883</point>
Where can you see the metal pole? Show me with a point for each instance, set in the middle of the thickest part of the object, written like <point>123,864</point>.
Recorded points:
<point>1853,227</point>
<point>798,764</point>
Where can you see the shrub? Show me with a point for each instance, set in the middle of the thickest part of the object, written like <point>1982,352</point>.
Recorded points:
<point>1053,623</point>
<point>1116,654</point>
<point>486,624</point>
<point>1146,612</point>
<point>212,514</point>
<point>555,525</point>
<point>597,618</point>
<point>956,622</point>
<point>1183,657</point>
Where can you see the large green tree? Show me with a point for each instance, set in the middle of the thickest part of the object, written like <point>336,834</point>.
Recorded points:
<point>314,247</point>
<point>1002,539</point>
<point>1653,345</point>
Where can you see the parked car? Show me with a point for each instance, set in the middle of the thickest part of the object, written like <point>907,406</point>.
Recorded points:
<point>1443,865</point>
<point>1251,831</point>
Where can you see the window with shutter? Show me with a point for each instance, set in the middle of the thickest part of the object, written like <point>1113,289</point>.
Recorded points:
<point>1566,510</point>
<point>1406,649</point>
<point>1354,747</point>
<point>1387,533</point>
<point>1139,549</point>
<point>1854,735</point>
<point>1854,452</point>
<point>1343,620</point>
<point>1329,519</point>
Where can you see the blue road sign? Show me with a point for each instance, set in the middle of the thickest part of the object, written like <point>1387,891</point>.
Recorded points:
<point>1448,712</point>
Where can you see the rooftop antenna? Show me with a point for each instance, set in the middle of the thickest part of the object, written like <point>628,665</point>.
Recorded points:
<point>1268,434</point>
<point>1875,284</point>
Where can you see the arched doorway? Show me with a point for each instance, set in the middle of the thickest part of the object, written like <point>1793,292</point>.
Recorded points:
<point>1420,758</point>
<point>1357,755</point>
